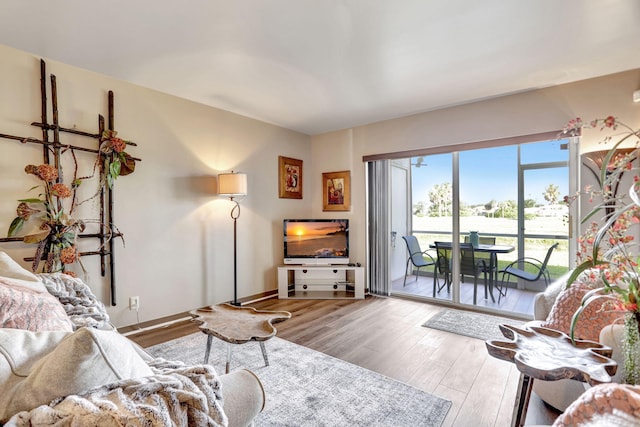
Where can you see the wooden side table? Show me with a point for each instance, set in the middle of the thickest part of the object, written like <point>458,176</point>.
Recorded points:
<point>237,325</point>
<point>550,355</point>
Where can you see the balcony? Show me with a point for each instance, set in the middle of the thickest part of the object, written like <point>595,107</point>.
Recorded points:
<point>517,301</point>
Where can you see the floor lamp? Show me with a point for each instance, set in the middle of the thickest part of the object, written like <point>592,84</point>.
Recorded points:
<point>232,185</point>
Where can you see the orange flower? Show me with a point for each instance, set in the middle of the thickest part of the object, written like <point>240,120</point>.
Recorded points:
<point>118,145</point>
<point>68,255</point>
<point>47,173</point>
<point>70,273</point>
<point>61,191</point>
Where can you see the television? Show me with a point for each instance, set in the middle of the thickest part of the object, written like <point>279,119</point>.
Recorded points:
<point>316,241</point>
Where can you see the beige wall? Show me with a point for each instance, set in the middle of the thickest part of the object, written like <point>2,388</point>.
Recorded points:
<point>178,233</point>
<point>532,112</point>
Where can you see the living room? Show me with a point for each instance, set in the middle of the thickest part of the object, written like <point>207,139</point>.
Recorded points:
<point>178,242</point>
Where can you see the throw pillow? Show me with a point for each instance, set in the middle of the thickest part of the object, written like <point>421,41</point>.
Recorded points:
<point>12,270</point>
<point>82,361</point>
<point>24,308</point>
<point>592,319</point>
<point>604,405</point>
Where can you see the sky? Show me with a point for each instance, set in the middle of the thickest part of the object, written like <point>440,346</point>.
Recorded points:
<point>492,173</point>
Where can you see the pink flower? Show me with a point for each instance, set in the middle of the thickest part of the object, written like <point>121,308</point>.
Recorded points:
<point>610,121</point>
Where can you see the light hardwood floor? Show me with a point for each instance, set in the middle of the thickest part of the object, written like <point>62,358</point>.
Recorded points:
<point>385,335</point>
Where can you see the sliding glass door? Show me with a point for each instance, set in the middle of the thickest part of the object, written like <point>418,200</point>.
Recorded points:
<point>510,196</point>
<point>544,181</point>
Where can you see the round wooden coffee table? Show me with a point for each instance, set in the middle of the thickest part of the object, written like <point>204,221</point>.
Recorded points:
<point>237,325</point>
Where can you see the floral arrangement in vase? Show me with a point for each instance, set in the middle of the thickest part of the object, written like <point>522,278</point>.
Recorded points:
<point>608,247</point>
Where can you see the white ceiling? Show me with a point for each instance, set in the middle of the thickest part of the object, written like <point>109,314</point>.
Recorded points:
<point>321,65</point>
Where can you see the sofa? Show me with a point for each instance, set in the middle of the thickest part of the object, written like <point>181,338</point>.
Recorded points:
<point>63,363</point>
<point>554,308</point>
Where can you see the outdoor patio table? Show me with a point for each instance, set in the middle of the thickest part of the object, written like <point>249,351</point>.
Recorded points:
<point>493,251</point>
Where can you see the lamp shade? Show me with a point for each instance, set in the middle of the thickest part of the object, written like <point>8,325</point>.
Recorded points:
<point>232,184</point>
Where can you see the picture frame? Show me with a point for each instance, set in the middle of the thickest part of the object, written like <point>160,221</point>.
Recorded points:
<point>336,191</point>
<point>290,178</point>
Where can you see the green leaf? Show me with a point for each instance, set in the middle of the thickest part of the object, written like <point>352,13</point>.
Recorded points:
<point>602,232</point>
<point>110,181</point>
<point>114,168</point>
<point>582,267</point>
<point>31,200</point>
<point>609,156</point>
<point>68,237</point>
<point>16,225</point>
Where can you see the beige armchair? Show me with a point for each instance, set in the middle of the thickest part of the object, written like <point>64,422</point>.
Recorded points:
<point>561,394</point>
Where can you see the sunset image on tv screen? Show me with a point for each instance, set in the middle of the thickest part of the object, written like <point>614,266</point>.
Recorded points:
<point>316,239</point>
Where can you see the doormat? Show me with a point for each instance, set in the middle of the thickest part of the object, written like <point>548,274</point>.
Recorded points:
<point>470,324</point>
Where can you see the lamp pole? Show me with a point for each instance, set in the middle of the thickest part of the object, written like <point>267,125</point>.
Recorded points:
<point>232,185</point>
<point>235,214</point>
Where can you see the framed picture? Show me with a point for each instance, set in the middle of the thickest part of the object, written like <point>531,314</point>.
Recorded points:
<point>336,191</point>
<point>290,177</point>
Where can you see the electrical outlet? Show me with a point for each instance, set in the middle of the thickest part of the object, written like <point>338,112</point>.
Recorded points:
<point>134,303</point>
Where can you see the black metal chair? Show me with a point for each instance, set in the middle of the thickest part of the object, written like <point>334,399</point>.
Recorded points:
<point>443,265</point>
<point>417,259</point>
<point>469,266</point>
<point>527,268</point>
<point>483,259</point>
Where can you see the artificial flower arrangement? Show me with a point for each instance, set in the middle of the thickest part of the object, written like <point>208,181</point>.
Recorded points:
<point>115,161</point>
<point>608,247</point>
<point>58,232</point>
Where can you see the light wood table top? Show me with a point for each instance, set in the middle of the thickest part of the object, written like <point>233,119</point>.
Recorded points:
<point>546,354</point>
<point>238,325</point>
<point>550,355</point>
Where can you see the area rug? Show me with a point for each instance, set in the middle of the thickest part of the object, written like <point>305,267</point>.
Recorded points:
<point>470,324</point>
<point>308,388</point>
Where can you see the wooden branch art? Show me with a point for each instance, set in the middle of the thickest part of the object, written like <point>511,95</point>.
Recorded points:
<point>56,238</point>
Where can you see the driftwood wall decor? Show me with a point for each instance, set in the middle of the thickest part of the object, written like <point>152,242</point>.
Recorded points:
<point>54,148</point>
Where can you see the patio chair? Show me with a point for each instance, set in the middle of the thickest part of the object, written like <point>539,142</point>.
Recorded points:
<point>443,265</point>
<point>469,266</point>
<point>532,270</point>
<point>483,259</point>
<point>417,259</point>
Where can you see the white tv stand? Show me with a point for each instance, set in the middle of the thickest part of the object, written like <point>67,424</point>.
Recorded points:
<point>320,282</point>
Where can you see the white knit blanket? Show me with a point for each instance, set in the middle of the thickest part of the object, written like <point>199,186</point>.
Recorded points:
<point>80,304</point>
<point>177,395</point>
